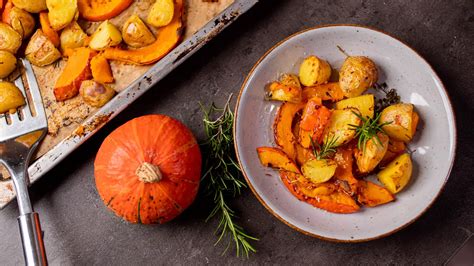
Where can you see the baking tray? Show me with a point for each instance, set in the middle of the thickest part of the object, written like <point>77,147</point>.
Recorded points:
<point>158,71</point>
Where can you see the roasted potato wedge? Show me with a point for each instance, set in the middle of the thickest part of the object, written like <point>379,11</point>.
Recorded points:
<point>397,174</point>
<point>339,128</point>
<point>72,37</point>
<point>368,157</point>
<point>10,97</point>
<point>7,64</point>
<point>327,92</point>
<point>280,92</point>
<point>40,51</point>
<point>290,80</point>
<point>319,171</point>
<point>282,127</point>
<point>402,121</point>
<point>276,158</point>
<point>136,34</point>
<point>61,13</point>
<point>357,74</point>
<point>161,13</point>
<point>106,35</point>
<point>371,194</point>
<point>314,71</point>
<point>32,6</point>
<point>21,21</point>
<point>95,94</point>
<point>363,103</point>
<point>10,38</point>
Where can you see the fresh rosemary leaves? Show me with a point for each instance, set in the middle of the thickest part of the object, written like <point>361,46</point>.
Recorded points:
<point>222,176</point>
<point>391,97</point>
<point>368,130</point>
<point>325,150</point>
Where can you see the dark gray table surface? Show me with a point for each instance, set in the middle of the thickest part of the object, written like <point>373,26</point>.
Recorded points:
<point>80,230</point>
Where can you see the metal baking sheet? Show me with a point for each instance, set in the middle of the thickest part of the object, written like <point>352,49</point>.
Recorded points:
<point>158,71</point>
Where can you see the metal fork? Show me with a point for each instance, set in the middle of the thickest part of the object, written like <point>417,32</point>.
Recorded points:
<point>20,135</point>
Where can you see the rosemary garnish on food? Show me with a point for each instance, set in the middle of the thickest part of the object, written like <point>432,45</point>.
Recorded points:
<point>222,176</point>
<point>325,150</point>
<point>391,97</point>
<point>368,130</point>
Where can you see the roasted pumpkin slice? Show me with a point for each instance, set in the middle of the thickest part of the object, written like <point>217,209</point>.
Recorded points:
<point>282,128</point>
<point>372,195</point>
<point>98,10</point>
<point>101,71</point>
<point>281,92</point>
<point>344,161</point>
<point>327,92</point>
<point>276,158</point>
<point>166,39</point>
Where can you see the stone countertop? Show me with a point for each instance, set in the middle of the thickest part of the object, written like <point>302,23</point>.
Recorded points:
<point>80,230</point>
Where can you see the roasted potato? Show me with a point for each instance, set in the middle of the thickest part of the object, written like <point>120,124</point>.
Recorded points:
<point>314,71</point>
<point>357,74</point>
<point>290,80</point>
<point>32,6</point>
<point>276,158</point>
<point>394,149</point>
<point>313,190</point>
<point>327,92</point>
<point>319,171</point>
<point>106,35</point>
<point>279,92</point>
<point>10,39</point>
<point>21,21</point>
<point>72,37</point>
<point>161,13</point>
<point>135,33</point>
<point>363,103</point>
<point>10,97</point>
<point>7,63</point>
<point>95,94</point>
<point>40,51</point>
<point>61,13</point>
<point>368,157</point>
<point>340,130</point>
<point>402,121</point>
<point>397,174</point>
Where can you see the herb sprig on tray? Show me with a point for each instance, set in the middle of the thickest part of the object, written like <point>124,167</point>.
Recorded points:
<point>222,176</point>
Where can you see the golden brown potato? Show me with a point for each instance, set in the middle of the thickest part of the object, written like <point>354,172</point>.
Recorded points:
<point>21,21</point>
<point>106,35</point>
<point>290,80</point>
<point>339,128</point>
<point>40,50</point>
<point>32,6</point>
<point>369,157</point>
<point>72,37</point>
<point>10,97</point>
<point>7,63</point>
<point>314,71</point>
<point>357,74</point>
<point>397,174</point>
<point>96,94</point>
<point>403,121</point>
<point>363,103</point>
<point>10,40</point>
<point>61,13</point>
<point>319,171</point>
<point>135,33</point>
<point>161,13</point>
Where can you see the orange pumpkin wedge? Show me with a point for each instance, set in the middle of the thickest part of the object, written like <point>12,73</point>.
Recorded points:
<point>47,30</point>
<point>282,127</point>
<point>77,70</point>
<point>327,92</point>
<point>148,170</point>
<point>6,11</point>
<point>372,195</point>
<point>101,70</point>
<point>166,39</point>
<point>99,10</point>
<point>276,158</point>
<point>344,161</point>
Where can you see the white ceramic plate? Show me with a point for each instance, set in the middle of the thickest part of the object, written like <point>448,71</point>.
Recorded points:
<point>402,68</point>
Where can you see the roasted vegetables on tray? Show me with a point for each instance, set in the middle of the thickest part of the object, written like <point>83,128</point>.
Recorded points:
<point>330,136</point>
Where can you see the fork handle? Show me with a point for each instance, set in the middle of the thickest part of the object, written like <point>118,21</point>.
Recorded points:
<point>32,239</point>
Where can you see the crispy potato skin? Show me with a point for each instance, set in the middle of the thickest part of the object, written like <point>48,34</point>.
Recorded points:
<point>314,71</point>
<point>397,174</point>
<point>10,97</point>
<point>72,37</point>
<point>374,152</point>
<point>357,74</point>
<point>403,121</point>
<point>161,13</point>
<point>32,6</point>
<point>61,13</point>
<point>95,94</point>
<point>11,39</point>
<point>276,158</point>
<point>21,21</point>
<point>7,63</point>
<point>40,50</point>
<point>136,34</point>
<point>106,35</point>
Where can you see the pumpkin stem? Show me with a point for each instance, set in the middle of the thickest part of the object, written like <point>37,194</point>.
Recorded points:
<point>148,173</point>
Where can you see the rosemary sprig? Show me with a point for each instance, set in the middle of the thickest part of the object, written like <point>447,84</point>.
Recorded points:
<point>223,177</point>
<point>325,150</point>
<point>368,130</point>
<point>391,97</point>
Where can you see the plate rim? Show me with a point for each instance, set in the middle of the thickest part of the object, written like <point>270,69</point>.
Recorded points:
<point>450,113</point>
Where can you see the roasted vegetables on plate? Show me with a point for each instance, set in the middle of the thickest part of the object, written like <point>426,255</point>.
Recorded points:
<point>330,136</point>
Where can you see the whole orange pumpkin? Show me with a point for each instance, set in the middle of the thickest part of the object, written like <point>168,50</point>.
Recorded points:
<point>148,169</point>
